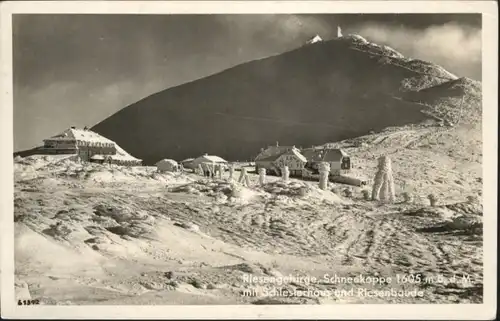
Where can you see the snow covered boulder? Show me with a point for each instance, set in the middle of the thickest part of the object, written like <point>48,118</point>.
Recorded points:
<point>22,291</point>
<point>189,226</point>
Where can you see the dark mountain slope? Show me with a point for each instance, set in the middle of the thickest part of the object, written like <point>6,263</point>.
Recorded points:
<point>321,92</point>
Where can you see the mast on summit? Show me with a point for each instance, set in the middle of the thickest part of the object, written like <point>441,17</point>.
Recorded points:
<point>339,32</point>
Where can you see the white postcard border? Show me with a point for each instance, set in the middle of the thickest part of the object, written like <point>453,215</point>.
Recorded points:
<point>486,310</point>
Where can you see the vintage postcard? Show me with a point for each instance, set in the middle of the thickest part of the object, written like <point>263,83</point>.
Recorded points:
<point>249,159</point>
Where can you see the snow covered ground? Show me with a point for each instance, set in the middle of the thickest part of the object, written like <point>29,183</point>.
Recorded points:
<point>105,234</point>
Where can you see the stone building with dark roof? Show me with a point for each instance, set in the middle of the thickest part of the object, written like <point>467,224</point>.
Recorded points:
<point>338,159</point>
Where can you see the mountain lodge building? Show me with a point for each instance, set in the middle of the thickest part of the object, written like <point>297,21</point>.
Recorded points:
<point>88,146</point>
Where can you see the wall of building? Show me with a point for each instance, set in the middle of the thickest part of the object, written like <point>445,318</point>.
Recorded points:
<point>59,144</point>
<point>117,162</point>
<point>264,164</point>
<point>167,167</point>
<point>335,166</point>
<point>292,161</point>
<point>94,144</point>
<point>86,152</point>
<point>100,150</point>
<point>53,151</point>
<point>126,163</point>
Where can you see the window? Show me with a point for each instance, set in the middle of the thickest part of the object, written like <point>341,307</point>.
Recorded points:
<point>346,163</point>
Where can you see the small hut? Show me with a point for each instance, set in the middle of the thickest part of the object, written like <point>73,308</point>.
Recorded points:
<point>208,159</point>
<point>167,165</point>
<point>188,164</point>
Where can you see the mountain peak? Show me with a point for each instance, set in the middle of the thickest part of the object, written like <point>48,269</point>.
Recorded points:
<point>367,84</point>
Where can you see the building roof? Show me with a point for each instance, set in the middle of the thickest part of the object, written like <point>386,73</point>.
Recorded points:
<point>211,158</point>
<point>296,152</point>
<point>333,155</point>
<point>324,154</point>
<point>270,158</point>
<point>312,154</point>
<point>284,150</point>
<point>82,135</point>
<point>272,152</point>
<point>167,161</point>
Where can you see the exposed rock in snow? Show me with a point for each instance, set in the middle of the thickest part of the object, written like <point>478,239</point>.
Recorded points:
<point>357,38</point>
<point>22,291</point>
<point>189,226</point>
<point>391,52</point>
<point>314,40</point>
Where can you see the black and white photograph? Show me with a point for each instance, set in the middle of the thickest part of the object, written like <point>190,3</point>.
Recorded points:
<point>300,158</point>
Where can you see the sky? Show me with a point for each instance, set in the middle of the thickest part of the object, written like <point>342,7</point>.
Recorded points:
<point>76,70</point>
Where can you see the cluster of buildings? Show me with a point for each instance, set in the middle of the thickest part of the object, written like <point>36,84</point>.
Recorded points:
<point>302,162</point>
<point>87,145</point>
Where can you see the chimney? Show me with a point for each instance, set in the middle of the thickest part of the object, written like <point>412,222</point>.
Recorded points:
<point>277,144</point>
<point>262,150</point>
<point>85,128</point>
